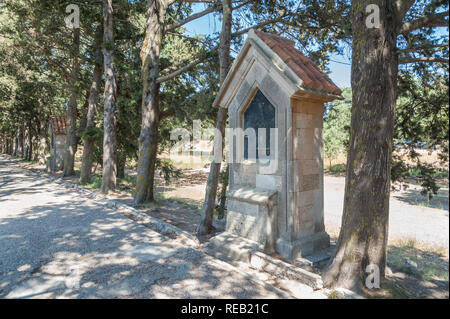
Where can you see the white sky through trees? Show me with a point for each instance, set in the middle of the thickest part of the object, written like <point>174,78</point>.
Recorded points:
<point>208,24</point>
<point>340,65</point>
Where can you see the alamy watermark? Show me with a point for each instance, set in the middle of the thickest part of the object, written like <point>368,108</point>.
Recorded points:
<point>242,145</point>
<point>72,281</point>
<point>373,277</point>
<point>373,19</point>
<point>73,19</point>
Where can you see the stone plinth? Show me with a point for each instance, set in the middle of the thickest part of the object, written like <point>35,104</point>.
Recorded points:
<point>251,213</point>
<point>272,85</point>
<point>57,133</point>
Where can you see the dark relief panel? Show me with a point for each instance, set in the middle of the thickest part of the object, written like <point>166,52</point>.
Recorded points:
<point>260,114</point>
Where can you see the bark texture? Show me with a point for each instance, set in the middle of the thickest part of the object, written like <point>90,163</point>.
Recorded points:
<point>88,146</point>
<point>83,119</point>
<point>205,225</point>
<point>121,161</point>
<point>71,138</point>
<point>148,138</point>
<point>15,143</point>
<point>110,121</point>
<point>29,142</point>
<point>42,135</point>
<point>19,147</point>
<point>364,232</point>
<point>223,193</point>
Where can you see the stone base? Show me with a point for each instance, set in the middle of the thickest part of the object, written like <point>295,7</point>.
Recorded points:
<point>252,214</point>
<point>316,259</point>
<point>304,246</point>
<point>228,246</point>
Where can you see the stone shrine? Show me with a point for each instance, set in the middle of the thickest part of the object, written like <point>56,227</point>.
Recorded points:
<point>57,132</point>
<point>275,204</point>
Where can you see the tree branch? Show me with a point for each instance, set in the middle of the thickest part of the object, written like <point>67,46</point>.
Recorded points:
<point>184,69</point>
<point>262,24</point>
<point>403,7</point>
<point>425,47</point>
<point>169,2</point>
<point>166,113</point>
<point>173,67</point>
<point>173,109</point>
<point>192,17</point>
<point>241,5</point>
<point>434,20</point>
<point>423,59</point>
<point>191,65</point>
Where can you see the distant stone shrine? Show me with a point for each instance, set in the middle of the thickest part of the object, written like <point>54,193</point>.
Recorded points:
<point>275,203</point>
<point>57,132</point>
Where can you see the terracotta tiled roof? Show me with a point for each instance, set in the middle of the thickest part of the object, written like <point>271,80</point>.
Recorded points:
<point>59,124</point>
<point>305,69</point>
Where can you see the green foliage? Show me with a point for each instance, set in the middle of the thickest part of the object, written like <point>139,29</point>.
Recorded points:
<point>424,174</point>
<point>91,133</point>
<point>95,183</point>
<point>96,134</point>
<point>427,181</point>
<point>108,45</point>
<point>422,109</point>
<point>336,125</point>
<point>422,117</point>
<point>338,168</point>
<point>223,180</point>
<point>399,169</point>
<point>167,169</point>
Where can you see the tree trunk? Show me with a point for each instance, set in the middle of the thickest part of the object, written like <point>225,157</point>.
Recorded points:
<point>42,135</point>
<point>109,121</point>
<point>363,236</point>
<point>88,145</point>
<point>148,138</point>
<point>20,152</point>
<point>3,144</point>
<point>71,138</point>
<point>205,225</point>
<point>83,120</point>
<point>25,143</point>
<point>8,145</point>
<point>121,161</point>
<point>29,151</point>
<point>223,193</point>
<point>15,143</point>
<point>35,155</point>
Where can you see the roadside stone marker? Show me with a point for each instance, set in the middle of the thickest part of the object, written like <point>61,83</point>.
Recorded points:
<point>57,132</point>
<point>275,199</point>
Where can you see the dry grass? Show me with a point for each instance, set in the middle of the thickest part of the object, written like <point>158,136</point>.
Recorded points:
<point>425,156</point>
<point>412,243</point>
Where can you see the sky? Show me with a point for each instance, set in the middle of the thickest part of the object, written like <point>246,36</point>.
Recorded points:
<point>340,72</point>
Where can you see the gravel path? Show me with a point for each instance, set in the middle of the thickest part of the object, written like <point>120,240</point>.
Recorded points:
<point>407,220</point>
<point>56,244</point>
